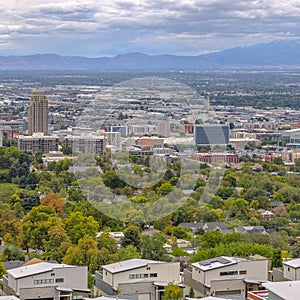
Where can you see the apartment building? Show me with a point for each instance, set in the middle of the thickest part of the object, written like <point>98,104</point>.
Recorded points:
<point>86,144</point>
<point>38,142</point>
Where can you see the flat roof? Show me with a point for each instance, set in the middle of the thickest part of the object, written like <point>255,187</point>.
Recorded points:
<point>9,298</point>
<point>129,265</point>
<point>284,289</point>
<point>294,263</point>
<point>217,262</point>
<point>36,269</point>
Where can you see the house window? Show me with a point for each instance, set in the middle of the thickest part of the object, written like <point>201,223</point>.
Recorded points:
<point>153,275</point>
<point>135,276</point>
<point>229,273</point>
<point>243,272</point>
<point>59,280</point>
<point>288,268</point>
<point>43,281</point>
<point>148,268</point>
<point>52,274</point>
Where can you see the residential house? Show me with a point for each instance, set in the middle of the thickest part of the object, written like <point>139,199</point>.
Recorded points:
<point>211,226</point>
<point>147,278</point>
<point>251,229</point>
<point>266,214</point>
<point>116,235</point>
<point>291,269</point>
<point>194,226</point>
<point>224,276</point>
<point>47,281</point>
<point>8,265</point>
<point>276,204</point>
<point>285,290</point>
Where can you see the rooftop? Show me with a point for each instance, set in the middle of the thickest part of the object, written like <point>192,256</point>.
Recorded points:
<point>217,262</point>
<point>35,269</point>
<point>284,289</point>
<point>129,265</point>
<point>294,263</point>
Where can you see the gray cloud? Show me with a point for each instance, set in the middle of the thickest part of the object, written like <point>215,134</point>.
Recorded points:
<point>155,26</point>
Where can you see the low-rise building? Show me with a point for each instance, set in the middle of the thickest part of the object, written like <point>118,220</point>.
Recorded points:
<point>213,157</point>
<point>47,281</point>
<point>151,143</point>
<point>146,278</point>
<point>285,290</point>
<point>223,276</point>
<point>291,269</point>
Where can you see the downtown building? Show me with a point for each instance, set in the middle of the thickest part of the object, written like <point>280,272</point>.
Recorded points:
<point>38,113</point>
<point>38,142</point>
<point>211,134</point>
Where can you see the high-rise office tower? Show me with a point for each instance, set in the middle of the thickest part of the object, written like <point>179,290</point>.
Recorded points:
<point>38,113</point>
<point>211,134</point>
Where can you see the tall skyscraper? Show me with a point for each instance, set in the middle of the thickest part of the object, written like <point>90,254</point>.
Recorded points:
<point>38,113</point>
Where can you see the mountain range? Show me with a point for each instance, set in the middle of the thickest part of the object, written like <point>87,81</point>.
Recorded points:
<point>274,54</point>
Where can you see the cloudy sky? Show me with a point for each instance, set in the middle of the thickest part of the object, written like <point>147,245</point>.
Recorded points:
<point>109,27</point>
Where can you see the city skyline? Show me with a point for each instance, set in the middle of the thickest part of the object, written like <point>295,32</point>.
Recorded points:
<point>181,27</point>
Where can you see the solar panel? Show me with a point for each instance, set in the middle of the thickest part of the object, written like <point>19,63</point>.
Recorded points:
<point>223,260</point>
<point>206,262</point>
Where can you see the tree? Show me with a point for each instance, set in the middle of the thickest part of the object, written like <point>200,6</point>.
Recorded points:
<point>172,292</point>
<point>106,241</point>
<point>240,249</point>
<point>153,247</point>
<point>57,243</point>
<point>208,214</point>
<point>132,236</point>
<point>78,226</point>
<point>29,201</point>
<point>52,200</point>
<point>191,293</point>
<point>11,252</point>
<point>36,226</point>
<point>182,232</point>
<point>2,270</point>
<point>176,251</point>
<point>165,189</point>
<point>211,239</point>
<point>277,258</point>
<point>86,253</point>
<point>128,253</point>
<point>112,180</point>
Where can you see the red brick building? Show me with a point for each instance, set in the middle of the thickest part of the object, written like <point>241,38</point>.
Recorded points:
<point>216,157</point>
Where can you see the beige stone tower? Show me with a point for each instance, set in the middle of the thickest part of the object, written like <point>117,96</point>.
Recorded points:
<point>38,113</point>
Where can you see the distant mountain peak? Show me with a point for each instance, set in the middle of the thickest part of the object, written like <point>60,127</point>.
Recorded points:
<point>274,54</point>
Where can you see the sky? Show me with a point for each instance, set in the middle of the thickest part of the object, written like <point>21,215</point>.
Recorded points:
<point>97,28</point>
